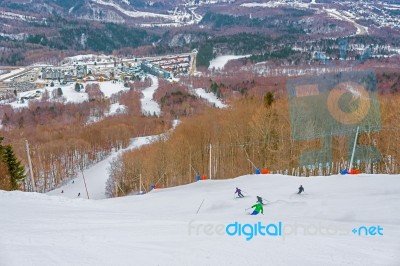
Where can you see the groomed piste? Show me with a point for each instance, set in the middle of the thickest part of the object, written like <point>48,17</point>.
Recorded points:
<point>162,227</point>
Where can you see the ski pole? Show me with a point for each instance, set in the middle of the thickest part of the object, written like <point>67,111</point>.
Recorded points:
<point>200,207</point>
<point>265,199</point>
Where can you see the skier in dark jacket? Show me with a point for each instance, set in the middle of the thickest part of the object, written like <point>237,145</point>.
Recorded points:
<point>260,200</point>
<point>239,193</point>
<point>301,189</point>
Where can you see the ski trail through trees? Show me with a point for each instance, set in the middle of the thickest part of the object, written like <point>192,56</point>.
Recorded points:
<point>149,106</point>
<point>96,176</point>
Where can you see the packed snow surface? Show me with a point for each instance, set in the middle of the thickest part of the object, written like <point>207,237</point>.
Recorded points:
<point>162,227</point>
<point>149,106</point>
<point>220,61</point>
<point>96,176</point>
<point>210,97</point>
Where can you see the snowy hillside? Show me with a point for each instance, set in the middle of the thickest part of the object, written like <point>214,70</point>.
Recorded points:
<point>108,88</point>
<point>149,105</point>
<point>162,227</point>
<point>96,176</point>
<point>219,62</point>
<point>210,97</point>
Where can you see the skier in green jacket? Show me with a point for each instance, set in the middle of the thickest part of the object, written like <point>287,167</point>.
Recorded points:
<point>257,209</point>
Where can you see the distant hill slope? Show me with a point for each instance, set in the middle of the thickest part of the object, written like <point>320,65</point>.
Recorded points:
<point>36,31</point>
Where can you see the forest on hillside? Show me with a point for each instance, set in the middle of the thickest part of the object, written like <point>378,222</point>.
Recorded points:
<point>254,133</point>
<point>255,129</point>
<point>63,142</point>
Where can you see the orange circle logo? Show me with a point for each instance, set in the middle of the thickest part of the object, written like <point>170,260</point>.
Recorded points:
<point>359,93</point>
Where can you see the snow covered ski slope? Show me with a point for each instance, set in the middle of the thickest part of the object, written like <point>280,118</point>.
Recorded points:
<point>96,176</point>
<point>162,227</point>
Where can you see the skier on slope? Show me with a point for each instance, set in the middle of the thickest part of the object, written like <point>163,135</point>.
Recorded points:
<point>301,189</point>
<point>239,191</point>
<point>257,208</point>
<point>260,200</point>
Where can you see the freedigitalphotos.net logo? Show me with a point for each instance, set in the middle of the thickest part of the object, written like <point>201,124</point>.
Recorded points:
<point>368,230</point>
<point>260,229</point>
